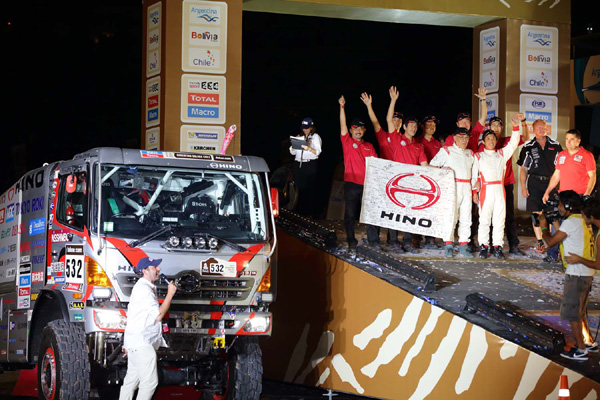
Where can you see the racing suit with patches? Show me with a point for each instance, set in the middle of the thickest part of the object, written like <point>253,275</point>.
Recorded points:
<point>461,162</point>
<point>489,169</point>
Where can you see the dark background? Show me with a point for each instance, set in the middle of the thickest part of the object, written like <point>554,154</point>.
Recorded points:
<point>72,78</point>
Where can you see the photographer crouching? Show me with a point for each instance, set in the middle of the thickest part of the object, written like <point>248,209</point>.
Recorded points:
<point>576,238</point>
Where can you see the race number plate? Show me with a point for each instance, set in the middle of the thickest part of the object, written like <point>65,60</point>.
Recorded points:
<point>74,264</point>
<point>216,267</point>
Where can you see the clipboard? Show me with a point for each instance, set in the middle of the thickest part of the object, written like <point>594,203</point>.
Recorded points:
<point>297,142</point>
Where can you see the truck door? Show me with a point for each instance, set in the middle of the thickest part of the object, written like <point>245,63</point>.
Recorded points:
<point>68,230</point>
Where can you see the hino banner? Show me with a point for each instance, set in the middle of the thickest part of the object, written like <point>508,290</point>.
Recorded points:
<point>409,198</point>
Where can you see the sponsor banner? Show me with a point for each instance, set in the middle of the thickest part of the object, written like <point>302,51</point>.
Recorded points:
<point>73,287</point>
<point>153,138</point>
<point>539,59</point>
<point>204,37</point>
<point>201,139</point>
<point>153,39</point>
<point>409,198</point>
<point>24,285</point>
<point>541,107</point>
<point>153,102</point>
<point>203,99</point>
<point>2,215</point>
<point>489,60</point>
<point>74,264</point>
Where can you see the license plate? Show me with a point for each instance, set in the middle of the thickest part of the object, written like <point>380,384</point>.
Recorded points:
<point>213,267</point>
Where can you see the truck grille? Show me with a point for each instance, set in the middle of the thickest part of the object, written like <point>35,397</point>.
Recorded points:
<point>194,287</point>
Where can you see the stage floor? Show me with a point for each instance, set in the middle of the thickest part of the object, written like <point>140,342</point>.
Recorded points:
<point>523,283</point>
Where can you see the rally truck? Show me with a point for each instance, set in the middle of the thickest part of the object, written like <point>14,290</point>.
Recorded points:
<point>71,234</point>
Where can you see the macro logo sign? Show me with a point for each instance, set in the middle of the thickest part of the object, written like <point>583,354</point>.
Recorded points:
<point>399,194</point>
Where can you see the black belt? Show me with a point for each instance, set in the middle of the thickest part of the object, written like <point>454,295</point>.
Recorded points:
<point>304,161</point>
<point>540,177</point>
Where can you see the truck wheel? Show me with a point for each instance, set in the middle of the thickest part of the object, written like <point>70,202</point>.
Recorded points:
<point>243,370</point>
<point>63,364</point>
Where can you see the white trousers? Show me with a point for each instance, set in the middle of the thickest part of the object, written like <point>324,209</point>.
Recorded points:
<point>492,211</point>
<point>141,372</point>
<point>463,206</point>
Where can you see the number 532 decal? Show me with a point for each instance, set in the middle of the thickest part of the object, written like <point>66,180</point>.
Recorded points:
<point>74,264</point>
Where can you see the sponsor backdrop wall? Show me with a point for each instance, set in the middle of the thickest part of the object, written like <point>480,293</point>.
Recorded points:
<point>192,74</point>
<point>524,65</point>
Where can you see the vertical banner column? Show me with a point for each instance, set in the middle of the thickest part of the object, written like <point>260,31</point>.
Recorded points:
<point>192,74</point>
<point>203,97</point>
<point>153,47</point>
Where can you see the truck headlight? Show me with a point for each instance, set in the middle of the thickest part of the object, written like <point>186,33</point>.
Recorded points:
<point>101,293</point>
<point>258,324</point>
<point>112,320</point>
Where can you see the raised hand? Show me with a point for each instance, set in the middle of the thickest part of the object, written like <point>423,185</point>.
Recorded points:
<point>366,98</point>
<point>481,93</point>
<point>342,101</point>
<point>394,93</point>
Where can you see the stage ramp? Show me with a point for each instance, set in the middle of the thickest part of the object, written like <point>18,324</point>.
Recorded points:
<point>339,327</point>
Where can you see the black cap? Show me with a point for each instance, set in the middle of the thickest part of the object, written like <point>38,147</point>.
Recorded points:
<point>408,120</point>
<point>307,123</point>
<point>398,114</point>
<point>357,122</point>
<point>494,119</point>
<point>462,131</point>
<point>486,133</point>
<point>430,118</point>
<point>463,115</point>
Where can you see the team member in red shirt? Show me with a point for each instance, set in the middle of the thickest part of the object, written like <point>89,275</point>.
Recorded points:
<point>403,148</point>
<point>510,227</point>
<point>386,146</point>
<point>575,168</point>
<point>356,150</point>
<point>463,120</point>
<point>430,144</point>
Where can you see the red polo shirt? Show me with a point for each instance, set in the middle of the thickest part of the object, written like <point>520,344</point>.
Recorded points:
<point>431,147</point>
<point>355,153</point>
<point>404,150</point>
<point>385,144</point>
<point>476,131</point>
<point>574,169</point>
<point>509,176</point>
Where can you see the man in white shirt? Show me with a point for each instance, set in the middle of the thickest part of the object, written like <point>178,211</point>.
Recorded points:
<point>143,333</point>
<point>574,237</point>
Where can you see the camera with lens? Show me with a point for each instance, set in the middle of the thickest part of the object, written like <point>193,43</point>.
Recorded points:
<point>550,211</point>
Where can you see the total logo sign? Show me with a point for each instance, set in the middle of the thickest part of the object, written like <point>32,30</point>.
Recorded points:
<point>203,99</point>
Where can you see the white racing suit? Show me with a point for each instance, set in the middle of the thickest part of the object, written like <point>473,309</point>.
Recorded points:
<point>461,162</point>
<point>489,169</point>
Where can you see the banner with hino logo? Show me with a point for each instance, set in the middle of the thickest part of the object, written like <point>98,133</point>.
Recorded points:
<point>409,198</point>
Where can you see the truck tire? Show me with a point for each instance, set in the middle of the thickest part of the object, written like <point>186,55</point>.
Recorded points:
<point>63,363</point>
<point>243,369</point>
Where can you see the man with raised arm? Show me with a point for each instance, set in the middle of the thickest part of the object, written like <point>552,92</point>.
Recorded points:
<point>356,150</point>
<point>487,179</point>
<point>403,148</point>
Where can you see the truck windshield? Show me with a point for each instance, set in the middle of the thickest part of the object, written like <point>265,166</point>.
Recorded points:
<point>138,200</point>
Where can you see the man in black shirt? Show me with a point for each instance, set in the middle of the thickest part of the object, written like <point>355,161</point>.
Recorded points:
<point>537,161</point>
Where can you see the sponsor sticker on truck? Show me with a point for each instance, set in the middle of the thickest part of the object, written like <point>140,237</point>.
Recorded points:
<point>216,267</point>
<point>74,264</point>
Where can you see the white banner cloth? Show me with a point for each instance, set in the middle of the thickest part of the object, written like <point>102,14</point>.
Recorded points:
<point>409,198</point>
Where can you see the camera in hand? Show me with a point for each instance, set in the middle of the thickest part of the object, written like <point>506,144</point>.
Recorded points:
<point>549,210</point>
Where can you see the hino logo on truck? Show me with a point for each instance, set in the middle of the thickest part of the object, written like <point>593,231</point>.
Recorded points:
<point>31,181</point>
<point>225,166</point>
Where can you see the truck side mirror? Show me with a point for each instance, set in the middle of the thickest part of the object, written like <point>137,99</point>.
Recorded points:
<point>275,202</point>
